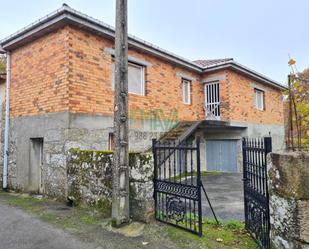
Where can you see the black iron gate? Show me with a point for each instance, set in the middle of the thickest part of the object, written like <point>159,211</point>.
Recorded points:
<point>177,185</point>
<point>255,188</point>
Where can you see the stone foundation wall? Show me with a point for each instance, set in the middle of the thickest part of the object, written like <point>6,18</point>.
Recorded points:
<point>90,181</point>
<point>288,176</point>
<point>61,132</point>
<point>53,129</point>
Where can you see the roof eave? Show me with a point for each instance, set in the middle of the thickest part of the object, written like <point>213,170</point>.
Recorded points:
<point>66,15</point>
<point>2,51</point>
<point>240,68</point>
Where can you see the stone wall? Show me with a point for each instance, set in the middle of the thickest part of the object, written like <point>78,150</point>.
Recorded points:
<point>289,199</point>
<point>60,132</point>
<point>90,181</point>
<point>53,129</point>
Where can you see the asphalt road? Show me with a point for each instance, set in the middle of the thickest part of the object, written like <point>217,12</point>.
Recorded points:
<point>225,192</point>
<point>18,230</point>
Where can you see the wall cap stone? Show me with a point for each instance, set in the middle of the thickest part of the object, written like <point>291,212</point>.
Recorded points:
<point>289,169</point>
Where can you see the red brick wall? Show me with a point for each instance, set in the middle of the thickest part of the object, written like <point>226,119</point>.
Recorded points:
<point>39,76</point>
<point>69,70</point>
<point>91,88</point>
<point>242,101</point>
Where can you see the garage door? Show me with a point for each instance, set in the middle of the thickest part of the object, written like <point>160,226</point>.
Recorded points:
<point>221,155</point>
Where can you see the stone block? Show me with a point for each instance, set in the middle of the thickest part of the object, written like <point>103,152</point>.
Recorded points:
<point>303,220</point>
<point>289,174</point>
<point>288,181</point>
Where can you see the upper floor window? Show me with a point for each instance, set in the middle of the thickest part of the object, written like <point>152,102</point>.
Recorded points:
<point>212,100</point>
<point>136,78</point>
<point>259,99</point>
<point>186,91</point>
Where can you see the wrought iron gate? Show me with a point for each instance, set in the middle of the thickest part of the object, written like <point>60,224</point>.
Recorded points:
<point>177,185</point>
<point>255,188</point>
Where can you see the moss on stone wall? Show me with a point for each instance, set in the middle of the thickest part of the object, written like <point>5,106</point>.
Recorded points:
<point>90,178</point>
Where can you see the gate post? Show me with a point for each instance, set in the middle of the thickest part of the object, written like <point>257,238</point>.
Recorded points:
<point>268,146</point>
<point>244,156</point>
<point>198,162</point>
<point>288,178</point>
<point>154,142</point>
<point>268,149</point>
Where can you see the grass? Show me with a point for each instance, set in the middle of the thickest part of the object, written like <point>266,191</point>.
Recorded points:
<point>194,173</point>
<point>227,235</point>
<point>90,223</point>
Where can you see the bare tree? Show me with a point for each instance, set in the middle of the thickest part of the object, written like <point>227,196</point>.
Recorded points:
<point>120,206</point>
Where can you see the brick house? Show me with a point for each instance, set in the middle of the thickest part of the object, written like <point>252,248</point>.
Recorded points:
<point>61,97</point>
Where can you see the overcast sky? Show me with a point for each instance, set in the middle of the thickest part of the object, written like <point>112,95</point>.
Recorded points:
<point>260,34</point>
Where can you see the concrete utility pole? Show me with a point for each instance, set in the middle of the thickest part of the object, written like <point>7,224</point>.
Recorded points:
<point>120,212</point>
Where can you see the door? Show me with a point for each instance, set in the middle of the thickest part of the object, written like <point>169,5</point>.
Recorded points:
<point>221,155</point>
<point>35,165</point>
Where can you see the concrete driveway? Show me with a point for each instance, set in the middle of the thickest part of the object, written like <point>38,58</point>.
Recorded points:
<point>225,192</point>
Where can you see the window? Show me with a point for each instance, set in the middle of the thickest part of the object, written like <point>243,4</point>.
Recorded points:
<point>212,100</point>
<point>186,91</point>
<point>136,78</point>
<point>111,141</point>
<point>259,99</point>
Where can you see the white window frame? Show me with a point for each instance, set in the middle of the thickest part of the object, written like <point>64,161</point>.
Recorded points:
<point>186,83</point>
<point>258,93</point>
<point>212,107</point>
<point>142,68</point>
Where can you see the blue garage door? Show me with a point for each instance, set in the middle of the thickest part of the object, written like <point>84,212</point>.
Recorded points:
<point>221,155</point>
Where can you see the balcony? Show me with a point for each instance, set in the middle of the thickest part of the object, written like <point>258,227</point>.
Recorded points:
<point>212,101</point>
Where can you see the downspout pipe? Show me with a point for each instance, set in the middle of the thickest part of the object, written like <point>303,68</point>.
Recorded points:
<point>7,122</point>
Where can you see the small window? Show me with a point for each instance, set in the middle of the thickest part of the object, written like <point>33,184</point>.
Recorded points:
<point>186,91</point>
<point>259,99</point>
<point>111,141</point>
<point>136,78</point>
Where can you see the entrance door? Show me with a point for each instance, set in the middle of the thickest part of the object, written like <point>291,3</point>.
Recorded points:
<point>221,155</point>
<point>36,160</point>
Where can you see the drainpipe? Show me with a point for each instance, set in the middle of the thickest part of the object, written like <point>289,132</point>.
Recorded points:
<point>7,122</point>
